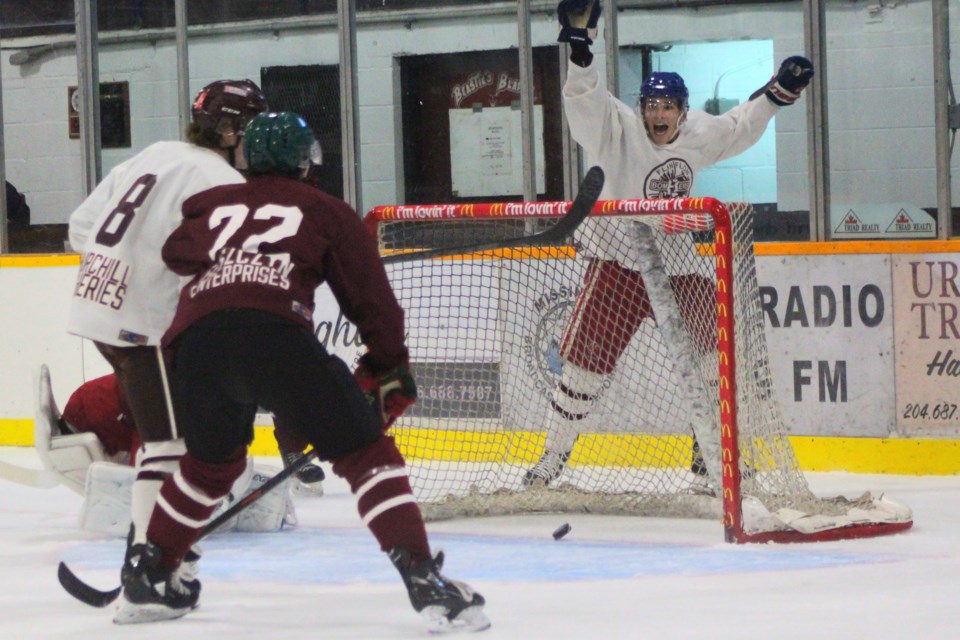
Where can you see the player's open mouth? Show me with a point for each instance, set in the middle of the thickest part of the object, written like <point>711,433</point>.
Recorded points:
<point>660,129</point>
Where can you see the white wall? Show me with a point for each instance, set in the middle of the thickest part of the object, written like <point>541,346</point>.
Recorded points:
<point>879,79</point>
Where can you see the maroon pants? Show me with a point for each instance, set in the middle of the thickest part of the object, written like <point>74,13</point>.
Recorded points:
<point>614,302</point>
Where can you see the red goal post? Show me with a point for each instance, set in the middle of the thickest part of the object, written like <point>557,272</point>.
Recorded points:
<point>762,498</point>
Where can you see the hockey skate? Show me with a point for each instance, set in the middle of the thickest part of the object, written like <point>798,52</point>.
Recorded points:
<point>547,469</point>
<point>447,605</point>
<point>152,593</point>
<point>309,478</point>
<point>700,485</point>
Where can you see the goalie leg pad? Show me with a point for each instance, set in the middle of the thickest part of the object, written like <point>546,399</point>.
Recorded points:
<point>270,513</point>
<point>273,510</point>
<point>106,507</point>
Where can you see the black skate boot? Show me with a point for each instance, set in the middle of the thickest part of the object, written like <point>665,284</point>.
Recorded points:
<point>548,468</point>
<point>697,464</point>
<point>702,483</point>
<point>309,478</point>
<point>152,593</point>
<point>447,605</point>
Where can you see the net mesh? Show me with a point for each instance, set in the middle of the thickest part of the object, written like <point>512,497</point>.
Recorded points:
<point>492,335</point>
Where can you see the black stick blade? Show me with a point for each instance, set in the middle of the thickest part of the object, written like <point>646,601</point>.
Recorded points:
<point>84,592</point>
<point>587,196</point>
<point>582,205</point>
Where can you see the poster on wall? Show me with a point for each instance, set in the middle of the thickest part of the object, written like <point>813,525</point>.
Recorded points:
<point>829,326</point>
<point>486,141</point>
<point>927,289</point>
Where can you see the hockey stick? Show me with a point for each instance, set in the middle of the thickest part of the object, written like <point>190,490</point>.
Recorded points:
<point>589,193</point>
<point>36,478</point>
<point>97,598</point>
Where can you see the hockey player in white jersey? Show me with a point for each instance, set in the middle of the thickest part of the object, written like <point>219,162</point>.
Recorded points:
<point>125,297</point>
<point>653,150</point>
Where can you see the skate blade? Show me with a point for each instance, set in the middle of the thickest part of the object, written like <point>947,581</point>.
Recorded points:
<point>469,620</point>
<point>132,613</point>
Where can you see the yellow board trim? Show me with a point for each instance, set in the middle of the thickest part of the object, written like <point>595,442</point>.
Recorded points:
<point>898,456</point>
<point>31,260</point>
<point>849,247</point>
<point>845,247</point>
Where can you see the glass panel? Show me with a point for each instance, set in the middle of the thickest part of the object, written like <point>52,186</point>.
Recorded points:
<point>881,122</point>
<point>723,60</point>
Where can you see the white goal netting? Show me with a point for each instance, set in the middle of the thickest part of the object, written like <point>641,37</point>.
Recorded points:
<point>679,371</point>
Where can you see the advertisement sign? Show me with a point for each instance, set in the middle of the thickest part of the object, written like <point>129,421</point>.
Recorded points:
<point>927,289</point>
<point>885,220</point>
<point>829,325</point>
<point>486,145</point>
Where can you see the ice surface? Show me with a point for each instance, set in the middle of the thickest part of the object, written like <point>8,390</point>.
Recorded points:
<point>610,578</point>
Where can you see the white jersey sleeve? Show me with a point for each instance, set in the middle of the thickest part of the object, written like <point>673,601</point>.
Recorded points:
<point>614,137</point>
<point>124,294</point>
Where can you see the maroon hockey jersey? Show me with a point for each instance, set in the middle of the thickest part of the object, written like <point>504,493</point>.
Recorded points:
<point>268,244</point>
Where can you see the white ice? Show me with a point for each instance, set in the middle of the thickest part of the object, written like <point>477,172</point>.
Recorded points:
<point>610,578</point>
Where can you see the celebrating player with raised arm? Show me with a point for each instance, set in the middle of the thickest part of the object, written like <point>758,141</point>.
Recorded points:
<point>243,337</point>
<point>125,297</point>
<point>652,151</point>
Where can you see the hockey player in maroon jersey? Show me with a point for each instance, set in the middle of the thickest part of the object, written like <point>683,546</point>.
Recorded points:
<point>653,150</point>
<point>243,337</point>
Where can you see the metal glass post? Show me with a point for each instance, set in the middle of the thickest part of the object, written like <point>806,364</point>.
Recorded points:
<point>183,66</point>
<point>525,51</point>
<point>349,107</point>
<point>88,83</point>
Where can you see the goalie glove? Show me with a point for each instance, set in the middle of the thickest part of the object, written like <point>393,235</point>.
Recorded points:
<point>791,79</point>
<point>578,20</point>
<point>390,393</point>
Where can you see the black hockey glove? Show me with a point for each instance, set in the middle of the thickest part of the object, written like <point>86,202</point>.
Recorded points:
<point>792,78</point>
<point>578,20</point>
<point>391,393</point>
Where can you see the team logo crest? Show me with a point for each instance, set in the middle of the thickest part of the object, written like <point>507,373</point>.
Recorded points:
<point>542,361</point>
<point>671,179</point>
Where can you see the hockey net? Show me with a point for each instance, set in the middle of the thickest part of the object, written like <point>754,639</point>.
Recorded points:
<point>485,333</point>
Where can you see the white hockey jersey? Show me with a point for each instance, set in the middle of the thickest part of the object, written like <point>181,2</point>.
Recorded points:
<point>124,294</point>
<point>613,136</point>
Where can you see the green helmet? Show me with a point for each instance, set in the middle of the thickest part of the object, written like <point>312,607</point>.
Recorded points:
<point>279,143</point>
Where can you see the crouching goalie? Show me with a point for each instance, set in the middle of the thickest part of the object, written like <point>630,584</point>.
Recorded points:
<point>92,448</point>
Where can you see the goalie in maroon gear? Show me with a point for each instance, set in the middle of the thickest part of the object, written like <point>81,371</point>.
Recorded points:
<point>243,337</point>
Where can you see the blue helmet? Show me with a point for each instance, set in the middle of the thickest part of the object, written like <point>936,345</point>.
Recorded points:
<point>665,84</point>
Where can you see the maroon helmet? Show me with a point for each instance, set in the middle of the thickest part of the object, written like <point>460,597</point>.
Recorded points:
<point>228,103</point>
